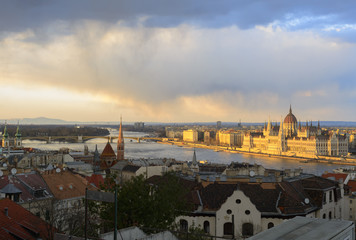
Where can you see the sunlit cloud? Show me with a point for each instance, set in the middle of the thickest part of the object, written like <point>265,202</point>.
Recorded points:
<point>96,70</point>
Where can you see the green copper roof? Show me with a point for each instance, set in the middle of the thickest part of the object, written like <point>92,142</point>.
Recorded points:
<point>5,135</point>
<point>18,134</point>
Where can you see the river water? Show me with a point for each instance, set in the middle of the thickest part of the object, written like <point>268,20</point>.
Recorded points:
<point>134,150</point>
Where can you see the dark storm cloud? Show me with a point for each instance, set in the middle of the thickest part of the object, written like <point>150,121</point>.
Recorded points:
<point>17,15</point>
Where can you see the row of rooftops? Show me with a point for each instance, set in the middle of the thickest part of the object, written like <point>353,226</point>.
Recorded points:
<point>296,196</point>
<point>34,186</point>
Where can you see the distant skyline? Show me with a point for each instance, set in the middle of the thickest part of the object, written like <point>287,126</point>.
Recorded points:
<point>178,61</point>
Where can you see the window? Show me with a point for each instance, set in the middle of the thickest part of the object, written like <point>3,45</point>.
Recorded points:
<point>183,225</point>
<point>270,225</point>
<point>330,196</point>
<point>329,215</point>
<point>206,227</point>
<point>247,229</point>
<point>324,198</point>
<point>228,229</point>
<point>238,201</point>
<point>247,212</point>
<point>47,215</point>
<point>229,211</point>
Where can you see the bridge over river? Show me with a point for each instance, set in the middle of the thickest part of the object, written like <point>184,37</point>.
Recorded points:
<point>81,139</point>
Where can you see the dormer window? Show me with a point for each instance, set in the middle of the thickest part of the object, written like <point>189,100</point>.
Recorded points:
<point>61,187</point>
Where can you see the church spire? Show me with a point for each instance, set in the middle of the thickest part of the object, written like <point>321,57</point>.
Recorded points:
<point>18,133</point>
<point>194,161</point>
<point>290,108</point>
<point>120,143</point>
<point>5,135</point>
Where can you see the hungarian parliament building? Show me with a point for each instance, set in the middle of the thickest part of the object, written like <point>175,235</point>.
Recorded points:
<point>295,139</point>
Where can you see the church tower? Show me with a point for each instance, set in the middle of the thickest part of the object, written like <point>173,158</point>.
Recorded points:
<point>5,137</point>
<point>120,144</point>
<point>18,139</point>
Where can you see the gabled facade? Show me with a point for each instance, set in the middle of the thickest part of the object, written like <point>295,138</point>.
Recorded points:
<point>241,210</point>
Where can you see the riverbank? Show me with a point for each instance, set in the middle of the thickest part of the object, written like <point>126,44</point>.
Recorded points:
<point>320,159</point>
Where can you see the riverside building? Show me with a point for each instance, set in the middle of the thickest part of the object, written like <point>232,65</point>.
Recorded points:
<point>292,139</point>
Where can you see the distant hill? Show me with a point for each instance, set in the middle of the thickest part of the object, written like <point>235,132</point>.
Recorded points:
<point>37,121</point>
<point>52,121</point>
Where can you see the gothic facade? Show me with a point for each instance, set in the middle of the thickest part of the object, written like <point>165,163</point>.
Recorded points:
<point>293,139</point>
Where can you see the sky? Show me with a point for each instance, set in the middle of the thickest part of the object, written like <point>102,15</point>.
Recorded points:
<point>178,61</point>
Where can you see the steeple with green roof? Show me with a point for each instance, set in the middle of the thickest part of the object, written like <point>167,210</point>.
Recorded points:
<point>5,134</point>
<point>18,133</point>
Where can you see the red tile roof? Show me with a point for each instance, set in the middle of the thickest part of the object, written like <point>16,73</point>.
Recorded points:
<point>26,183</point>
<point>352,185</point>
<point>108,151</point>
<point>21,223</point>
<point>96,179</point>
<point>65,185</point>
<point>337,176</point>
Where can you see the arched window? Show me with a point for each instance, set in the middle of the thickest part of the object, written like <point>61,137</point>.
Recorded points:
<point>183,225</point>
<point>206,227</point>
<point>270,225</point>
<point>247,229</point>
<point>228,228</point>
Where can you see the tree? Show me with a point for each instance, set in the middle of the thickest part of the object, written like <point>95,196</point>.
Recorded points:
<point>146,206</point>
<point>65,216</point>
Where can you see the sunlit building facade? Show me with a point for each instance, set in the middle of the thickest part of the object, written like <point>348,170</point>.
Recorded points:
<point>291,138</point>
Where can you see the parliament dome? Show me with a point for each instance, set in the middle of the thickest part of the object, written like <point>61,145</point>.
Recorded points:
<point>290,118</point>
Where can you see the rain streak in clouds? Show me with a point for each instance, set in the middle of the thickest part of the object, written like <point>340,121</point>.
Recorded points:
<point>182,61</point>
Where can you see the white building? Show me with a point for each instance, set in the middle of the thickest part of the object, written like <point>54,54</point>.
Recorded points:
<point>241,210</point>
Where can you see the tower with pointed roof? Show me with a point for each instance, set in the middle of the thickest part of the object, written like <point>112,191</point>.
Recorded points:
<point>120,144</point>
<point>5,137</point>
<point>96,163</point>
<point>18,139</point>
<point>194,165</point>
<point>290,124</point>
<point>107,158</point>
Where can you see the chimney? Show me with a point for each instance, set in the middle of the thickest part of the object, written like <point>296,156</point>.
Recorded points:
<point>6,210</point>
<point>197,178</point>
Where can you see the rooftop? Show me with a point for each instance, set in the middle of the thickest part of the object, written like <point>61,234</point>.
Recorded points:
<point>300,228</point>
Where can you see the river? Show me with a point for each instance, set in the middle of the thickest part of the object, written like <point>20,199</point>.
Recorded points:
<point>134,150</point>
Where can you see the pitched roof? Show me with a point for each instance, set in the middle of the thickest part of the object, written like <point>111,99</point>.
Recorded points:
<point>20,223</point>
<point>352,185</point>
<point>108,151</point>
<point>96,179</point>
<point>214,195</point>
<point>335,176</point>
<point>131,168</point>
<point>65,185</point>
<point>318,183</point>
<point>27,183</point>
<point>10,188</point>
